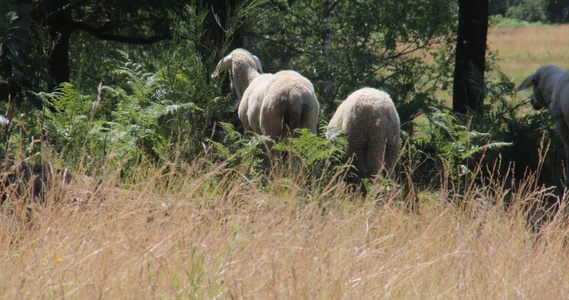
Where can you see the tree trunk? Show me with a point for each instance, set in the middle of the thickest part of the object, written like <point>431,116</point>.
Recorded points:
<point>215,36</point>
<point>328,79</point>
<point>468,90</point>
<point>60,26</point>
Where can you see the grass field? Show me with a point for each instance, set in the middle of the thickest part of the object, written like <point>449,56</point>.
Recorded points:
<point>202,231</point>
<point>523,50</point>
<point>209,234</point>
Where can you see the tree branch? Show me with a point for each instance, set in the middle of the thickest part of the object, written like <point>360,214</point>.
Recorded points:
<point>334,4</point>
<point>102,35</point>
<point>288,46</point>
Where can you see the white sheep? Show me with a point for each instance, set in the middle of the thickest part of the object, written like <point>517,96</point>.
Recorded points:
<point>372,131</point>
<point>551,89</point>
<point>271,104</point>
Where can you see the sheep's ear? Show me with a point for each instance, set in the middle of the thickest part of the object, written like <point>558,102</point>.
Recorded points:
<point>222,65</point>
<point>258,63</point>
<point>527,83</point>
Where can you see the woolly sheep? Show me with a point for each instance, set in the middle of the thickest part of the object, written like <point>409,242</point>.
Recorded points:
<point>371,126</point>
<point>271,104</point>
<point>551,89</point>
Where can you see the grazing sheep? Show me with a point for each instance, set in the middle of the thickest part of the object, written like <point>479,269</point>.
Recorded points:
<point>551,89</point>
<point>271,104</point>
<point>371,126</point>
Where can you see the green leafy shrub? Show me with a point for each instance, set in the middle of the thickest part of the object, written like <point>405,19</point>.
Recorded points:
<point>318,158</point>
<point>453,150</point>
<point>247,154</point>
<point>308,160</point>
<point>121,124</point>
<point>68,127</point>
<point>498,21</point>
<point>528,131</point>
<point>529,10</point>
<point>186,68</point>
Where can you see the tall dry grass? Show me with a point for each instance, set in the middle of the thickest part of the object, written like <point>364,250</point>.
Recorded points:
<point>208,232</point>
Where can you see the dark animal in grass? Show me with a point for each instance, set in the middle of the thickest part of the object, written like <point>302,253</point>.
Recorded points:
<point>28,180</point>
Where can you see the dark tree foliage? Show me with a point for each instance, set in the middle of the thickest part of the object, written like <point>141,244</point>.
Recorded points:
<point>37,36</point>
<point>215,24</point>
<point>547,11</point>
<point>22,63</point>
<point>342,46</point>
<point>468,89</point>
<point>135,22</point>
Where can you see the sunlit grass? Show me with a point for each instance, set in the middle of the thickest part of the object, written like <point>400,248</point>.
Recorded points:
<point>523,50</point>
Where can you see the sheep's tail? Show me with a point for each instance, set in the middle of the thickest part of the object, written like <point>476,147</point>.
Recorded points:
<point>277,121</point>
<point>392,149</point>
<point>292,119</point>
<point>309,117</point>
